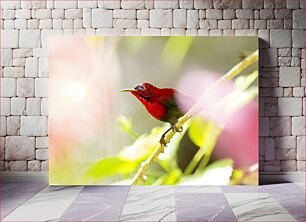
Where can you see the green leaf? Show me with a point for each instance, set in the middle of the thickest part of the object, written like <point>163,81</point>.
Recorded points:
<point>175,50</point>
<point>142,148</point>
<point>203,133</point>
<point>243,82</point>
<point>108,167</point>
<point>126,125</point>
<point>217,173</point>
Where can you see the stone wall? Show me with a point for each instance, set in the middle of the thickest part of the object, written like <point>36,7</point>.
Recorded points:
<point>26,26</point>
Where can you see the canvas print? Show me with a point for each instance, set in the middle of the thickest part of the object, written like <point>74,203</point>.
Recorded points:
<point>153,110</point>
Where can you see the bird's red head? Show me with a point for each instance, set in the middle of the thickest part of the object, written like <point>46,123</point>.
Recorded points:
<point>143,91</point>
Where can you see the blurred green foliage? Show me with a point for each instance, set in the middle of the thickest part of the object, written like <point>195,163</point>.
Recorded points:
<point>202,132</point>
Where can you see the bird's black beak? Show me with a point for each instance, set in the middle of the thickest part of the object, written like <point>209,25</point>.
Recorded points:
<point>127,90</point>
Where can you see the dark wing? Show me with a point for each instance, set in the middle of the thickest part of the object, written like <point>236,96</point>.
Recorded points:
<point>184,102</point>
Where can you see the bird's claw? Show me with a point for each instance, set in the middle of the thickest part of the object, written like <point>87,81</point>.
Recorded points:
<point>175,129</point>
<point>162,141</point>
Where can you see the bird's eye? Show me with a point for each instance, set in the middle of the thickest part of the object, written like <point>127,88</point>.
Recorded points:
<point>139,87</point>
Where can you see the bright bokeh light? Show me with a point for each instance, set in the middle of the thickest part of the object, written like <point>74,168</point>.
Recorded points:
<point>76,90</point>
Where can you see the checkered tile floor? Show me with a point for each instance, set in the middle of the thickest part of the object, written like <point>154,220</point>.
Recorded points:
<point>39,202</point>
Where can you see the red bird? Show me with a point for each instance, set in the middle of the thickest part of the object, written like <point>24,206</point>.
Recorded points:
<point>161,103</point>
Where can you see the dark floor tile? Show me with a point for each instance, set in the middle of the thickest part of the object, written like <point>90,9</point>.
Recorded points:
<point>106,189</point>
<point>205,213</point>
<point>6,210</point>
<point>283,188</point>
<point>203,207</point>
<point>298,212</point>
<point>242,189</point>
<point>15,198</point>
<point>22,187</point>
<point>101,203</point>
<point>204,199</point>
<point>289,199</point>
<point>92,212</point>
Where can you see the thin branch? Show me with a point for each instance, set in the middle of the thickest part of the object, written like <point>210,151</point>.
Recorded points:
<point>139,176</point>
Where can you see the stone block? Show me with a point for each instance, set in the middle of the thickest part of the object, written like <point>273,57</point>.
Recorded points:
<point>33,126</point>
<point>280,38</point>
<point>13,72</point>
<point>6,57</point>
<point>3,131</point>
<point>29,38</point>
<point>33,106</point>
<point>18,165</point>
<point>125,23</point>
<point>5,106</point>
<point>179,18</point>
<point>58,13</point>
<point>43,13</point>
<point>290,106</point>
<point>45,165</point>
<point>285,142</point>
<point>45,24</point>
<point>22,53</point>
<point>298,125</point>
<point>66,4</point>
<point>166,4</point>
<point>142,23</point>
<point>10,4</point>
<point>13,125</point>
<point>44,109</point>
<point>41,87</point>
<point>20,23</point>
<point>25,87</point>
<point>298,19</point>
<point>214,14</point>
<point>20,148</point>
<point>150,32</point>
<point>224,24</point>
<point>87,4</point>
<point>240,24</point>
<point>245,14</point>
<point>160,18</point>
<point>252,4</point>
<point>298,92</point>
<point>102,18</point>
<point>42,142</point>
<point>226,4</point>
<point>73,13</point>
<point>109,4</point>
<point>269,149</point>
<point>289,76</point>
<point>34,165</point>
<point>293,4</point>
<point>133,4</point>
<point>186,4</point>
<point>301,166</point>
<point>270,57</point>
<point>298,38</point>
<point>42,154</point>
<point>8,87</point>
<point>9,38</point>
<point>18,106</point>
<point>285,154</point>
<point>192,19</point>
<point>301,148</point>
<point>31,67</point>
<point>143,14</point>
<point>288,165</point>
<point>280,126</point>
<point>124,14</point>
<point>283,14</point>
